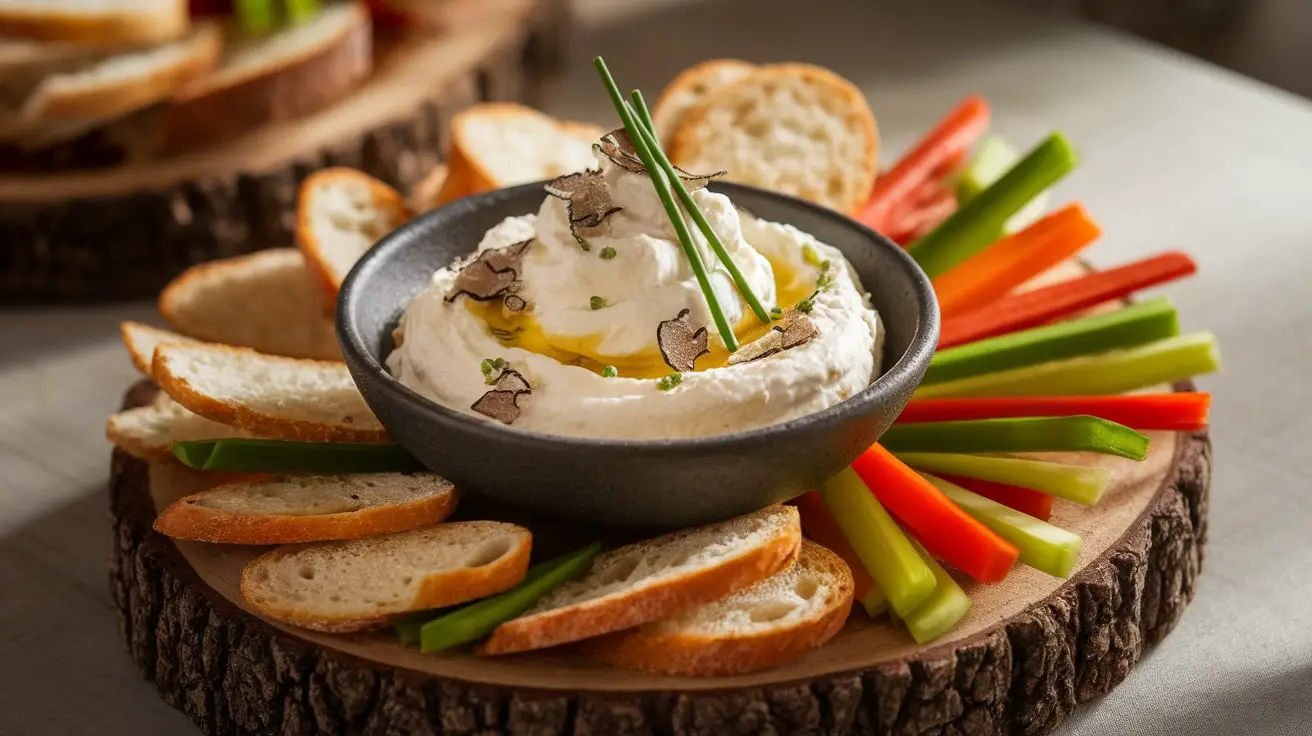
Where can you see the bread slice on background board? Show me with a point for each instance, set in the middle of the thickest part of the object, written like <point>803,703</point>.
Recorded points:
<point>340,214</point>
<point>141,341</point>
<point>793,128</point>
<point>361,584</point>
<point>656,579</point>
<point>778,619</point>
<point>272,396</point>
<point>504,144</point>
<point>96,21</point>
<point>425,194</point>
<point>148,432</point>
<point>294,509</point>
<point>122,83</point>
<point>269,301</point>
<point>285,75</point>
<point>691,88</point>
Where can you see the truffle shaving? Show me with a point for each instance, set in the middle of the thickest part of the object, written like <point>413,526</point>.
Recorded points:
<point>681,344</point>
<point>795,329</point>
<point>492,274</point>
<point>588,197</point>
<point>618,147</point>
<point>502,401</point>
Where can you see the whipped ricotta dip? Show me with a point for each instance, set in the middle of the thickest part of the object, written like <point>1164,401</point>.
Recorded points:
<point>586,319</point>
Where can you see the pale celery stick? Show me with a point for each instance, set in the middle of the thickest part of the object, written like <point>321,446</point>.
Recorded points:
<point>1083,485</point>
<point>993,158</point>
<point>1042,546</point>
<point>942,610</point>
<point>885,551</point>
<point>1164,361</point>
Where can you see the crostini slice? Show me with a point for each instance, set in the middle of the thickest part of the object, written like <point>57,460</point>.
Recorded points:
<point>792,128</point>
<point>271,396</point>
<point>691,88</point>
<point>141,341</point>
<point>776,620</point>
<point>148,432</point>
<point>361,584</point>
<point>268,301</point>
<point>297,509</point>
<point>340,214</point>
<point>656,579</point>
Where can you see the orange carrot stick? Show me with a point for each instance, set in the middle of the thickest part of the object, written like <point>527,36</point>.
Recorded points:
<point>1041,306</point>
<point>1014,260</point>
<point>948,141</point>
<point>819,526</point>
<point>1179,412</point>
<point>947,532</point>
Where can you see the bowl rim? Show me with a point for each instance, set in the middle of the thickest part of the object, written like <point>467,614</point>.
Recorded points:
<point>359,357</point>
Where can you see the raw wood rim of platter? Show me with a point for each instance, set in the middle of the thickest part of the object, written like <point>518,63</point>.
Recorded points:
<point>1024,673</point>
<point>405,73</point>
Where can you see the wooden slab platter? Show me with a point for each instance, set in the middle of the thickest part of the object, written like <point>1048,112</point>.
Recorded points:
<point>1030,650</point>
<point>123,232</point>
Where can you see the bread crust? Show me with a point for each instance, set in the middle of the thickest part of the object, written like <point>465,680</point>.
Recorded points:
<point>686,146</point>
<point>384,197</point>
<point>168,24</point>
<point>665,116</point>
<point>136,446</point>
<point>187,519</point>
<point>597,617</point>
<point>141,341</point>
<point>213,107</point>
<point>438,590</point>
<point>122,96</point>
<point>250,419</point>
<point>424,194</point>
<point>462,157</point>
<point>680,654</point>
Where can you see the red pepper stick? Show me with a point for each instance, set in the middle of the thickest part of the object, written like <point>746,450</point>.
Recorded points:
<point>948,141</point>
<point>947,532</point>
<point>1041,306</point>
<point>930,208</point>
<point>1180,412</point>
<point>1024,500</point>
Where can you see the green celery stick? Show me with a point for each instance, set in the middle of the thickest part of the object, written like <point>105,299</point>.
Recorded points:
<point>884,550</point>
<point>1078,483</point>
<point>875,602</point>
<point>942,610</point>
<point>993,158</point>
<point>299,11</point>
<point>1138,324</point>
<point>1042,546</point>
<point>1023,434</point>
<point>277,456</point>
<point>977,223</point>
<point>477,620</point>
<point>1164,361</point>
<point>257,16</point>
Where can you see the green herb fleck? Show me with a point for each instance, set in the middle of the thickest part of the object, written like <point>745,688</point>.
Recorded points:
<point>810,255</point>
<point>670,381</point>
<point>579,239</point>
<point>609,371</point>
<point>492,368</point>
<point>597,302</point>
<point>607,253</point>
<point>806,305</point>
<point>824,265</point>
<point>776,313</point>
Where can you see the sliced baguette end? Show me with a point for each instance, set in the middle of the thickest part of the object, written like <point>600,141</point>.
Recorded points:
<point>333,241</point>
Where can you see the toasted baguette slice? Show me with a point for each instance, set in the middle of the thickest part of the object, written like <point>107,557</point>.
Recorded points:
<point>274,397</point>
<point>507,144</point>
<point>141,341</point>
<point>288,510</point>
<point>362,583</point>
<point>340,214</point>
<point>120,84</point>
<point>656,579</point>
<point>793,128</point>
<point>780,618</point>
<point>691,88</point>
<point>268,301</point>
<point>283,76</point>
<point>95,21</point>
<point>425,195</point>
<point>148,432</point>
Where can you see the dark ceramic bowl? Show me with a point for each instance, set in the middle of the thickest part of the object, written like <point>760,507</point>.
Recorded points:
<point>650,483</point>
